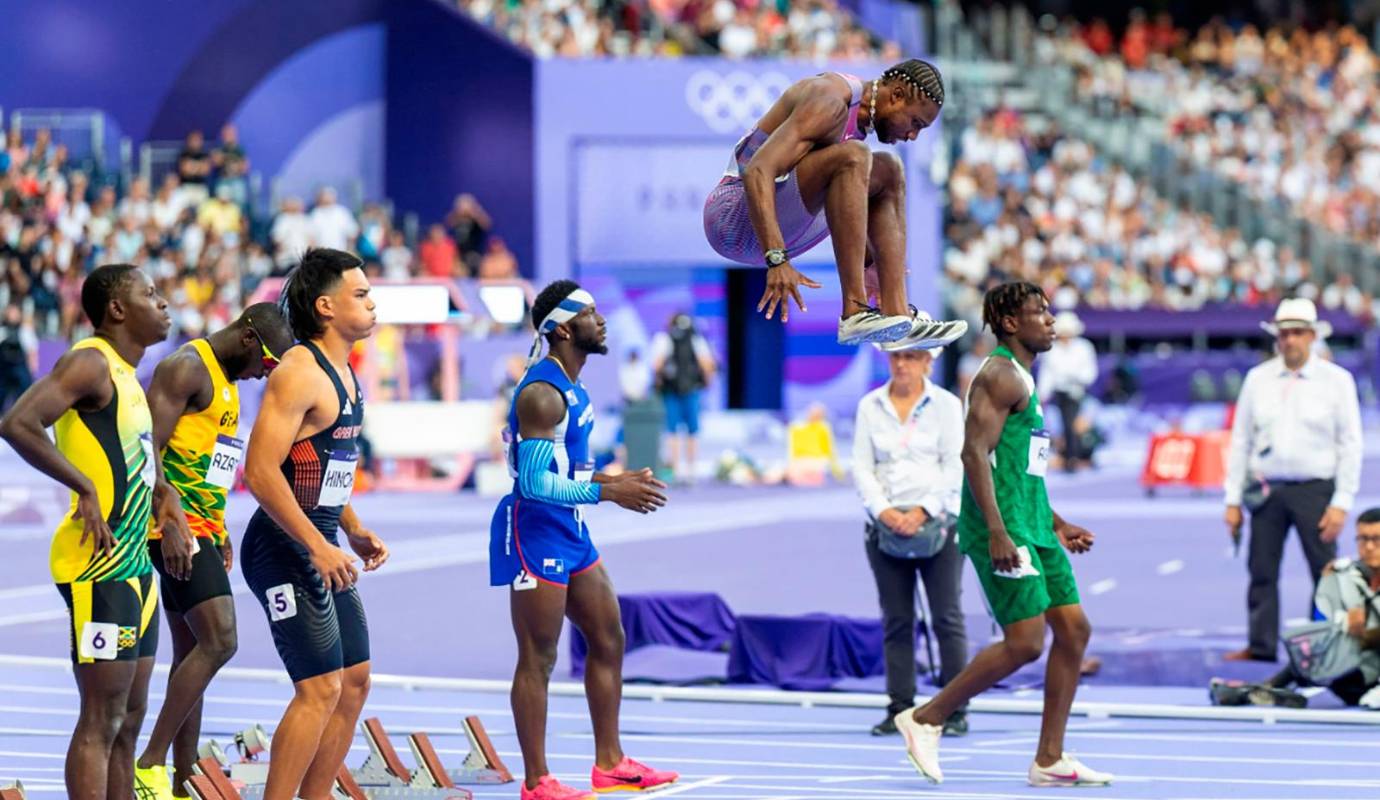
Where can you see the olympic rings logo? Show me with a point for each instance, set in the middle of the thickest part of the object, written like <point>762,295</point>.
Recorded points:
<point>733,102</point>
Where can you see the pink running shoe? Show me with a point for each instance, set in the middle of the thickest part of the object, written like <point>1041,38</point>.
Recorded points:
<point>548,788</point>
<point>630,776</point>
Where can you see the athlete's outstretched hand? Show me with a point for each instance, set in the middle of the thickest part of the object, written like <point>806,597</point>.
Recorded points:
<point>1076,539</point>
<point>227,553</point>
<point>93,524</point>
<point>369,547</point>
<point>645,475</point>
<point>783,285</point>
<point>636,492</point>
<point>336,567</point>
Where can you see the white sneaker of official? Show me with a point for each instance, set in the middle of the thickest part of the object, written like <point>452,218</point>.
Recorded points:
<point>1067,771</point>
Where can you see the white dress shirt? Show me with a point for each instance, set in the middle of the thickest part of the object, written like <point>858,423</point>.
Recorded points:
<point>1302,425</point>
<point>913,462</point>
<point>1069,366</point>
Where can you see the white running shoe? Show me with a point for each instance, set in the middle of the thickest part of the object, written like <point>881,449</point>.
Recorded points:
<point>922,744</point>
<point>871,325</point>
<point>1067,771</point>
<point>926,333</point>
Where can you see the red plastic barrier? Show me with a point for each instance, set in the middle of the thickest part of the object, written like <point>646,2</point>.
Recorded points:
<point>1198,460</point>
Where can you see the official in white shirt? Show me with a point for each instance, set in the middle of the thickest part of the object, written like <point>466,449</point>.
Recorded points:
<point>906,444</point>
<point>1295,461</point>
<point>1065,373</point>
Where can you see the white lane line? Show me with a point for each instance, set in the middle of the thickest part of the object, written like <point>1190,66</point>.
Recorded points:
<point>854,778</point>
<point>1103,586</point>
<point>790,745</point>
<point>1170,567</point>
<point>682,789</point>
<point>1034,736</point>
<point>821,727</point>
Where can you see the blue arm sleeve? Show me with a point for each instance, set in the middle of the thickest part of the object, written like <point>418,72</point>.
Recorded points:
<point>538,482</point>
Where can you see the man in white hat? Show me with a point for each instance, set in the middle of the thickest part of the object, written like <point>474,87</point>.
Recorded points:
<point>1066,372</point>
<point>1295,461</point>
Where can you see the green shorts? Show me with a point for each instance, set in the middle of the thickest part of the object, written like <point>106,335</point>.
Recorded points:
<point>1015,599</point>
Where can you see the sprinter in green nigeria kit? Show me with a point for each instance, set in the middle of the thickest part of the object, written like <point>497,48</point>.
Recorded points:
<point>1014,540</point>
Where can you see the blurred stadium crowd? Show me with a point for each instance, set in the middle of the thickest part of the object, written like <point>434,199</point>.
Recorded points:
<point>196,235</point>
<point>812,29</point>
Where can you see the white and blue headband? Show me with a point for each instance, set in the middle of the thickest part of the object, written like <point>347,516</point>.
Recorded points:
<point>573,304</point>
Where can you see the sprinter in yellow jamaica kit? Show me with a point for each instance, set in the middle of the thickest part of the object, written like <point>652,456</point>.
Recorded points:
<point>195,402</point>
<point>100,561</point>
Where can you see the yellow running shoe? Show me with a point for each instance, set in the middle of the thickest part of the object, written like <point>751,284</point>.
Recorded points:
<point>152,783</point>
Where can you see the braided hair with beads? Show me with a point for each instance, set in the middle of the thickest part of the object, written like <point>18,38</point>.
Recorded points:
<point>922,76</point>
<point>1004,301</point>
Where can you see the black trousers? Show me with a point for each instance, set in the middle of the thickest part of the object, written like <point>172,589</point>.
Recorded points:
<point>896,585</point>
<point>1068,406</point>
<point>1290,505</point>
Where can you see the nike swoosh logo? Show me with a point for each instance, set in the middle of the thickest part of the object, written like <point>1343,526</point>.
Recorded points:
<point>627,778</point>
<point>1072,776</point>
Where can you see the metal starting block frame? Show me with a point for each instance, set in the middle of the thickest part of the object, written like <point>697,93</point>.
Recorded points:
<point>384,770</point>
<point>482,765</point>
<point>213,779</point>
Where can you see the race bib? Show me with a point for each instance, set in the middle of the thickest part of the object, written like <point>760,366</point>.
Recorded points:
<point>282,602</point>
<point>224,459</point>
<point>99,641</point>
<point>339,479</point>
<point>1038,463</point>
<point>147,472</point>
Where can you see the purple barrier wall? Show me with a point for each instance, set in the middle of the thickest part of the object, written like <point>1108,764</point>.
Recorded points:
<point>460,119</point>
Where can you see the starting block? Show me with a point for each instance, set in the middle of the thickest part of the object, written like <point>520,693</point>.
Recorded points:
<point>383,772</point>
<point>208,782</point>
<point>482,765</point>
<point>201,788</point>
<point>15,792</point>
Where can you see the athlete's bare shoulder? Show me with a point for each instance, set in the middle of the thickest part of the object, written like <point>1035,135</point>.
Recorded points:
<point>299,374</point>
<point>183,376</point>
<point>823,98</point>
<point>1001,381</point>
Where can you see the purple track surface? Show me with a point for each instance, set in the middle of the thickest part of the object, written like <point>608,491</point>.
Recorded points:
<point>1165,596</point>
<point>751,752</point>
